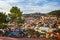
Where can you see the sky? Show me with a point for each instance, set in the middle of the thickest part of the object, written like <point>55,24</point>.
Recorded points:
<point>30,6</point>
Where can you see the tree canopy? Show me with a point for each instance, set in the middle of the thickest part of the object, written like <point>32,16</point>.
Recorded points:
<point>16,14</point>
<point>2,17</point>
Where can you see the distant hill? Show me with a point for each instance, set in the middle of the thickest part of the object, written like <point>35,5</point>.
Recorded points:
<point>35,15</point>
<point>38,15</point>
<point>56,12</point>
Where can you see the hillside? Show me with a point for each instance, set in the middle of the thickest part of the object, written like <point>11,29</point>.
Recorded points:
<point>56,12</point>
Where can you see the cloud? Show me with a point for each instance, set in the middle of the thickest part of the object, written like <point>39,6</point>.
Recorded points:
<point>32,2</point>
<point>12,0</point>
<point>43,9</point>
<point>50,7</point>
<point>4,7</point>
<point>30,6</point>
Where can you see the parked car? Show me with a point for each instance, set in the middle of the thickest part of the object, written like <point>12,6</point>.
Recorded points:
<point>14,33</point>
<point>17,33</point>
